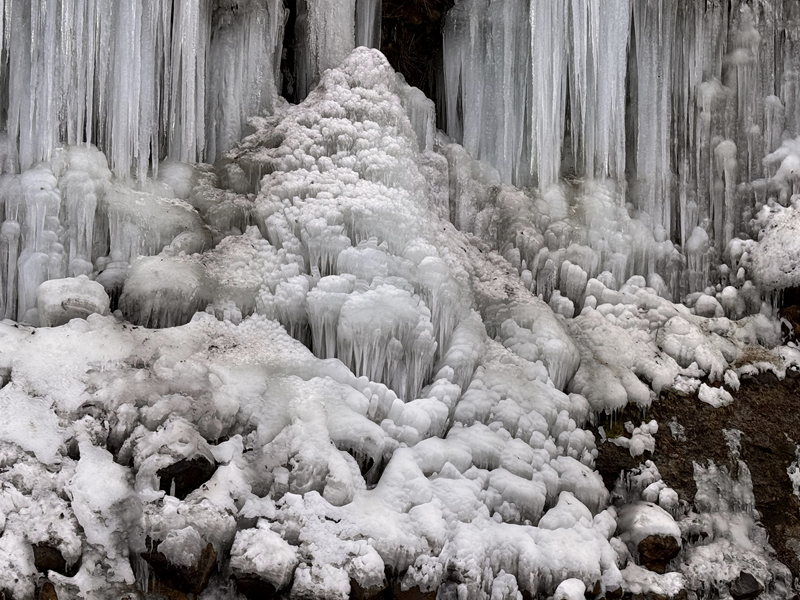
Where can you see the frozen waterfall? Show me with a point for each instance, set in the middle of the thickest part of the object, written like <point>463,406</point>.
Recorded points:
<point>334,349</point>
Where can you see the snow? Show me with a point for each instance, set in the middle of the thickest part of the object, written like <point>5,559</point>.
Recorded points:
<point>641,439</point>
<point>30,423</point>
<point>261,551</point>
<point>641,520</point>
<point>716,397</point>
<point>60,300</point>
<point>570,589</point>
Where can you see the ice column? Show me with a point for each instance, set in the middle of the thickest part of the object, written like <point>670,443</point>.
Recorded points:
<point>654,27</point>
<point>368,23</point>
<point>132,76</point>
<point>244,71</point>
<point>327,28</point>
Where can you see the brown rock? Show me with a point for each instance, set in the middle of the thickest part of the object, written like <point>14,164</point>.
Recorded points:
<point>746,587</point>
<point>359,593</point>
<point>614,594</point>
<point>413,593</point>
<point>47,558</point>
<point>157,587</point>
<point>191,580</point>
<point>254,588</point>
<point>187,475</point>
<point>655,551</point>
<point>47,592</point>
<point>593,591</point>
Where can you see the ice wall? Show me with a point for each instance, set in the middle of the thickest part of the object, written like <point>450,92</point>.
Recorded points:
<point>141,78</point>
<point>368,23</point>
<point>326,33</point>
<point>678,102</point>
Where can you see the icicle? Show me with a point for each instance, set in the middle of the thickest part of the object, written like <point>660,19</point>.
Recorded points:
<point>327,28</point>
<point>368,23</point>
<point>549,66</point>
<point>654,30</point>
<point>131,76</point>
<point>244,72</point>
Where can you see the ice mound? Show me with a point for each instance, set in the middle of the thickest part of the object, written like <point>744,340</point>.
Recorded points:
<point>318,385</point>
<point>59,300</point>
<point>326,379</point>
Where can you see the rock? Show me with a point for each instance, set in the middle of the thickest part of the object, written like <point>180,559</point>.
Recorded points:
<point>192,580</point>
<point>594,591</point>
<point>359,593</point>
<point>254,588</point>
<point>46,558</point>
<point>655,551</point>
<point>47,592</point>
<point>745,587</point>
<point>157,587</point>
<point>187,475</point>
<point>649,533</point>
<point>614,594</point>
<point>413,593</point>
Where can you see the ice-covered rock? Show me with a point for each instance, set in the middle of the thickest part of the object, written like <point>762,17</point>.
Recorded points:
<point>650,533</point>
<point>60,300</point>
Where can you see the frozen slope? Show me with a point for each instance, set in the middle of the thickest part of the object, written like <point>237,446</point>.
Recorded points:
<point>367,397</point>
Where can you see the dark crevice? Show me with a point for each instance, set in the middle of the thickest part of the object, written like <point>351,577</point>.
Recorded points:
<point>411,32</point>
<point>289,55</point>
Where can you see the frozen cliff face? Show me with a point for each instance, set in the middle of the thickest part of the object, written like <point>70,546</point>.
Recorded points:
<point>352,461</point>
<point>140,79</point>
<point>364,396</point>
<point>682,105</point>
<point>351,354</point>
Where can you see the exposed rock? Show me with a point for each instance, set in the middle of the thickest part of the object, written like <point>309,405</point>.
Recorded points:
<point>47,591</point>
<point>655,551</point>
<point>187,475</point>
<point>762,404</point>
<point>650,533</point>
<point>156,586</point>
<point>359,593</point>
<point>191,580</point>
<point>254,588</point>
<point>412,39</point>
<point>745,587</point>
<point>413,593</point>
<point>46,558</point>
<point>614,594</point>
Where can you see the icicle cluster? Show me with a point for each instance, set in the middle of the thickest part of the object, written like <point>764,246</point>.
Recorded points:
<point>680,102</point>
<point>141,79</point>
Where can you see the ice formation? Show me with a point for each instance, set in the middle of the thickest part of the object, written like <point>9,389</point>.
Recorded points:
<point>689,109</point>
<point>380,358</point>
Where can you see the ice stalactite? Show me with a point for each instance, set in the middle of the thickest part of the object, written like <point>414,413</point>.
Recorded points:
<point>327,32</point>
<point>549,29</point>
<point>368,23</point>
<point>679,103</point>
<point>597,85</point>
<point>244,70</point>
<point>508,68</point>
<point>140,78</point>
<point>654,27</point>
